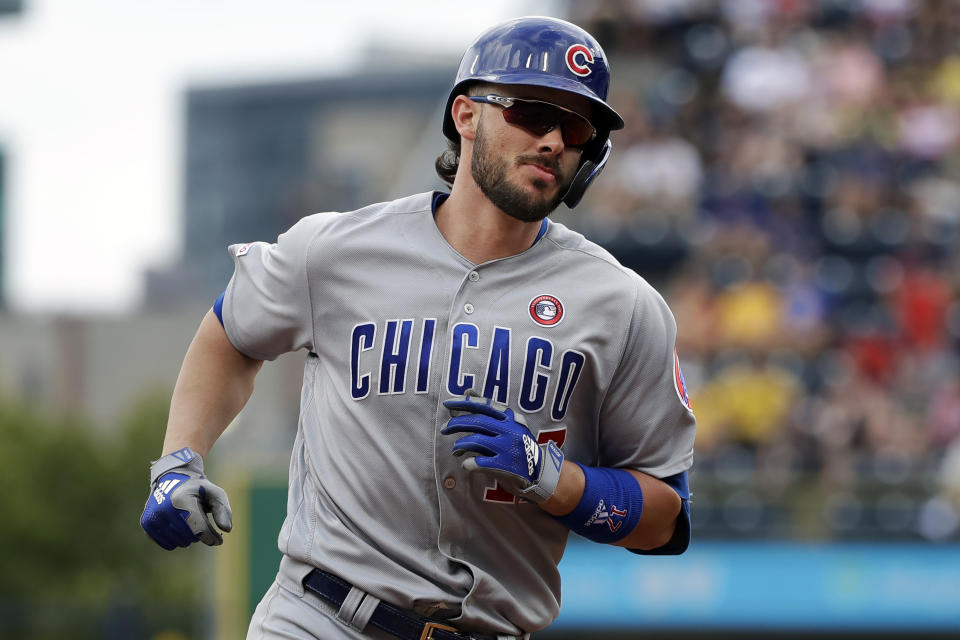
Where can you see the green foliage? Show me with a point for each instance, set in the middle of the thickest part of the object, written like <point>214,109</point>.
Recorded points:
<point>70,504</point>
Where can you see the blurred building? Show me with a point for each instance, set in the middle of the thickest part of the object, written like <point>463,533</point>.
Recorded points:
<point>10,8</point>
<point>98,368</point>
<point>259,158</point>
<point>3,220</point>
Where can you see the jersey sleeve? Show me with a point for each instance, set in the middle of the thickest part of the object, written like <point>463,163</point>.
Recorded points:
<point>646,422</point>
<point>266,308</point>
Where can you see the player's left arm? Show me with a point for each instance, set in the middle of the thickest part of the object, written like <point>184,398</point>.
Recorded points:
<point>659,514</point>
<point>618,506</point>
<point>647,431</point>
<point>639,498</point>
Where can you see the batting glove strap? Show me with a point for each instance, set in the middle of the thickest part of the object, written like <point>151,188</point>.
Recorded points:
<point>610,508</point>
<point>191,462</point>
<point>546,485</point>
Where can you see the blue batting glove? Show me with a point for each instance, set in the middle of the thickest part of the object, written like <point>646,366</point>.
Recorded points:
<point>499,444</point>
<point>181,497</point>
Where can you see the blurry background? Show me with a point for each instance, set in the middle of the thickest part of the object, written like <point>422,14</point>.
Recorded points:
<point>789,179</point>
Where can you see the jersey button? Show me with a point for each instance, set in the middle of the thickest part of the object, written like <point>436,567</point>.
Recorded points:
<point>474,276</point>
<point>449,483</point>
<point>468,308</point>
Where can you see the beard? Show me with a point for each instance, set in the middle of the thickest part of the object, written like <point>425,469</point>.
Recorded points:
<point>490,174</point>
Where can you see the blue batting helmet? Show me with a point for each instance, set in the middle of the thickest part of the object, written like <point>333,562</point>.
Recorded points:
<point>544,52</point>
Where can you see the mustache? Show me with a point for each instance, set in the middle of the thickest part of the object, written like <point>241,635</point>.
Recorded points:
<point>547,162</point>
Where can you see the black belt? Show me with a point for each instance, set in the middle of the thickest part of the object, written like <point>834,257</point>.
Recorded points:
<point>393,620</point>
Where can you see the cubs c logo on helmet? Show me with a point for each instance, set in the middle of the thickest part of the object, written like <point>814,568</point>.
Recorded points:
<point>546,311</point>
<point>578,59</point>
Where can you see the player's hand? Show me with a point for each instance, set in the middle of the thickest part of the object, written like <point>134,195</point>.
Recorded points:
<point>180,499</point>
<point>499,444</point>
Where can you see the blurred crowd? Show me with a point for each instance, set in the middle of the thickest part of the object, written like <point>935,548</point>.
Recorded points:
<point>789,178</point>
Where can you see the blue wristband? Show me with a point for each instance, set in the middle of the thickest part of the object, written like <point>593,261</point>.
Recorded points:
<point>610,507</point>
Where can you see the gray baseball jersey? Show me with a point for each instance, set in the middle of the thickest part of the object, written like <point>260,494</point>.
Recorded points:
<point>396,321</point>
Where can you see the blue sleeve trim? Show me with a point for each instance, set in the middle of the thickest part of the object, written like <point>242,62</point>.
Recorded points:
<point>218,308</point>
<point>680,483</point>
<point>681,534</point>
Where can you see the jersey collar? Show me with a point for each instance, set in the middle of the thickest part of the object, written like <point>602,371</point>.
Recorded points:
<point>440,196</point>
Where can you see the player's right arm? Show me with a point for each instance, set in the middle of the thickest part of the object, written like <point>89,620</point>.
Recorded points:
<point>264,312</point>
<point>214,384</point>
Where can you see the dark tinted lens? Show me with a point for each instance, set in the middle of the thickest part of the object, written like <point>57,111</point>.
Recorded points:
<point>576,130</point>
<point>539,118</point>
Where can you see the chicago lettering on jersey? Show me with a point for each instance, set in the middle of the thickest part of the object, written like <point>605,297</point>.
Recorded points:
<point>395,357</point>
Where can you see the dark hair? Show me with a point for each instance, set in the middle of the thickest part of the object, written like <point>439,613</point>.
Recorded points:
<point>449,159</point>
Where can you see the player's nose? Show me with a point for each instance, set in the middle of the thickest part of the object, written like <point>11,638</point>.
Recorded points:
<point>551,142</point>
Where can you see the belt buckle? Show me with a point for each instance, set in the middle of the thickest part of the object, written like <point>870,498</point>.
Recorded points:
<point>429,628</point>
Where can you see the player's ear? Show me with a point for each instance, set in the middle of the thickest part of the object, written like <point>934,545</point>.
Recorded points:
<point>466,116</point>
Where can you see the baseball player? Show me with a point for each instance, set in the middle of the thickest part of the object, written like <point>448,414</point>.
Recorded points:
<point>478,381</point>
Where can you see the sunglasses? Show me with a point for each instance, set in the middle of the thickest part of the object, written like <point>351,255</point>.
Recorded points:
<point>539,118</point>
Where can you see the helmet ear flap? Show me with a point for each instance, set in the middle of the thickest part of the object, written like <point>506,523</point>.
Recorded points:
<point>590,168</point>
